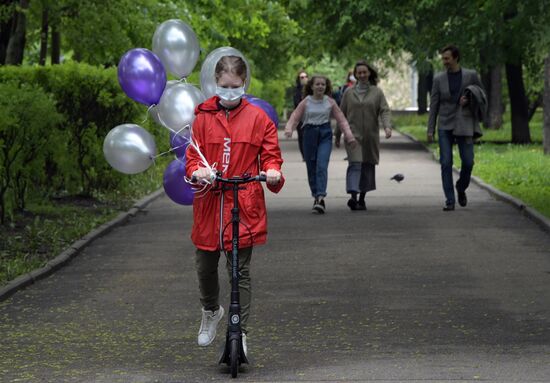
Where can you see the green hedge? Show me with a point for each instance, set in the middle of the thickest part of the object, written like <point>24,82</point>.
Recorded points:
<point>67,110</point>
<point>27,130</point>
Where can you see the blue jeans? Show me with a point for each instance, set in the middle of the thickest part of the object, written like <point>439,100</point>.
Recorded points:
<point>317,147</point>
<point>466,150</point>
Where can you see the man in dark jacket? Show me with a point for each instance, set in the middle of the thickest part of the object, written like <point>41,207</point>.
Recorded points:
<point>449,107</point>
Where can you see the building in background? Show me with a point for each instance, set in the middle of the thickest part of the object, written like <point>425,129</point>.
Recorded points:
<point>400,84</point>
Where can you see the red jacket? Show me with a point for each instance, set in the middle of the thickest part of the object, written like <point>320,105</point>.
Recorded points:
<point>244,141</point>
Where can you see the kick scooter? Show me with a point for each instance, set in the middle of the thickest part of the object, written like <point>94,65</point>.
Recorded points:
<point>233,354</point>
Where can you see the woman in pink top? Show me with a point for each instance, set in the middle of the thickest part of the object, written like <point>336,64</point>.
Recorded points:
<point>315,111</point>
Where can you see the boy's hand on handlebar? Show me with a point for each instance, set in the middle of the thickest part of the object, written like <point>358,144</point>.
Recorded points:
<point>273,177</point>
<point>202,174</point>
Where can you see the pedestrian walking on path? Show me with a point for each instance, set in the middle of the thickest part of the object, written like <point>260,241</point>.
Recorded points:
<point>364,106</point>
<point>315,112</point>
<point>455,93</point>
<point>398,297</point>
<point>240,138</point>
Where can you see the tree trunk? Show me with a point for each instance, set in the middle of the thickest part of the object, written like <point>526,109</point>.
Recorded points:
<point>518,103</point>
<point>44,38</point>
<point>56,45</point>
<point>533,106</point>
<point>424,88</point>
<point>546,107</point>
<point>495,110</point>
<point>6,28</point>
<point>16,44</point>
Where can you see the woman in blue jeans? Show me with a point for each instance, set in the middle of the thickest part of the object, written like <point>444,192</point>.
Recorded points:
<point>315,112</point>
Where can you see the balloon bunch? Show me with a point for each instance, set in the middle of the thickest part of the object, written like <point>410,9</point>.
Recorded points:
<point>142,75</point>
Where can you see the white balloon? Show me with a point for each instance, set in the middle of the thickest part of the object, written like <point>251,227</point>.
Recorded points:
<point>177,105</point>
<point>129,148</point>
<point>177,46</point>
<point>208,69</point>
<point>154,110</point>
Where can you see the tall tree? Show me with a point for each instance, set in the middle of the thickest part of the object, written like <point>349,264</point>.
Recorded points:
<point>518,104</point>
<point>16,43</point>
<point>546,107</point>
<point>44,36</point>
<point>56,45</point>
<point>7,20</point>
<point>507,27</point>
<point>492,80</point>
<point>424,86</point>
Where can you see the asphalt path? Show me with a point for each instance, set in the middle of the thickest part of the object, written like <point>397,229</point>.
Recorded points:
<point>402,292</point>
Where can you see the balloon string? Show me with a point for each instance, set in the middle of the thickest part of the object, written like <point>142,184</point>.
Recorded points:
<point>168,151</point>
<point>187,126</point>
<point>200,188</point>
<point>147,113</point>
<point>187,142</point>
<point>184,80</point>
<point>151,175</point>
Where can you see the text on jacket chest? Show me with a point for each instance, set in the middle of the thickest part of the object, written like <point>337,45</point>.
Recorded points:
<point>226,154</point>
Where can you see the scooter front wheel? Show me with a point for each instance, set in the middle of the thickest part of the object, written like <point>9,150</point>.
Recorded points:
<point>234,357</point>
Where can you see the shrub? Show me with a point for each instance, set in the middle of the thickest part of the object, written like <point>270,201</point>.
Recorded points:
<point>92,103</point>
<point>27,132</point>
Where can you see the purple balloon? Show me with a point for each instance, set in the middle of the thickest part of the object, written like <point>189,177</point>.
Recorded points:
<point>174,183</point>
<point>179,143</point>
<point>265,106</point>
<point>142,76</point>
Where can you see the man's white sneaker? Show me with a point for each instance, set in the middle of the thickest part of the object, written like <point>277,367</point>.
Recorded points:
<point>209,325</point>
<point>245,348</point>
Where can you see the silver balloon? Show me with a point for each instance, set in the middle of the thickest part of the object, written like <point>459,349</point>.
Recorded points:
<point>177,106</point>
<point>208,69</point>
<point>154,110</point>
<point>129,148</point>
<point>177,46</point>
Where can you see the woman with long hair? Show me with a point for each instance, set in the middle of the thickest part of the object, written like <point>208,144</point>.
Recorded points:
<point>364,106</point>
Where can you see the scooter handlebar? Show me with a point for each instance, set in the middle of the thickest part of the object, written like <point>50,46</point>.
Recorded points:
<point>259,178</point>
<point>242,180</point>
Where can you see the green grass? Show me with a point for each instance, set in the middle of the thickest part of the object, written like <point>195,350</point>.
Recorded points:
<point>49,226</point>
<point>522,171</point>
<point>502,135</point>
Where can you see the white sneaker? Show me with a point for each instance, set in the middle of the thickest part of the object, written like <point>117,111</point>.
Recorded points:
<point>209,325</point>
<point>245,348</point>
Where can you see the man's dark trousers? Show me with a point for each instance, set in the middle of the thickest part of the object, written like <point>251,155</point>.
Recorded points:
<point>466,150</point>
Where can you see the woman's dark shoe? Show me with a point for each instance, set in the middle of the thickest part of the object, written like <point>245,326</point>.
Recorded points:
<point>361,205</point>
<point>352,204</point>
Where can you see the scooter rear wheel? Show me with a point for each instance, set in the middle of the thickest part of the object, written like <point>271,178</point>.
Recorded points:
<point>234,357</point>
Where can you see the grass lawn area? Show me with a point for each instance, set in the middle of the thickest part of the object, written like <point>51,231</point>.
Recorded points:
<point>522,171</point>
<point>47,227</point>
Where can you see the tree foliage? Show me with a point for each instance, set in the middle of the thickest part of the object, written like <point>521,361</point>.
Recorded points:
<point>488,32</point>
<point>279,37</point>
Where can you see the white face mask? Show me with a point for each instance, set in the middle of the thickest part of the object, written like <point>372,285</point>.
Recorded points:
<point>229,94</point>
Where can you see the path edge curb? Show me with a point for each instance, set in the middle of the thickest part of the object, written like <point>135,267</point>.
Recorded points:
<point>527,210</point>
<point>75,248</point>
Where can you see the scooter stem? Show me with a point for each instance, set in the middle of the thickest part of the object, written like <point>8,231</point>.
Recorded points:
<point>235,307</point>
